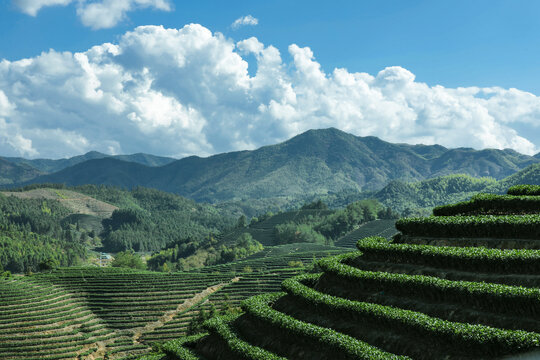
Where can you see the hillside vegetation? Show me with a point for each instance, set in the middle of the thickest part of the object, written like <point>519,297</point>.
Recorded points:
<point>113,313</point>
<point>317,162</point>
<point>406,299</point>
<point>414,298</point>
<point>43,226</point>
<point>73,201</point>
<point>180,233</point>
<point>407,198</point>
<point>11,173</point>
<point>421,197</point>
<point>33,235</point>
<point>313,223</point>
<point>50,166</point>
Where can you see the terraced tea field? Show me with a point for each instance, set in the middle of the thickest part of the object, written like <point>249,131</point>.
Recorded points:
<point>111,313</point>
<point>44,321</point>
<point>384,228</point>
<point>261,273</point>
<point>94,313</point>
<point>400,300</point>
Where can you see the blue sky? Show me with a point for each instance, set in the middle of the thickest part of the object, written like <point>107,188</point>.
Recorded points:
<point>470,44</point>
<point>452,43</point>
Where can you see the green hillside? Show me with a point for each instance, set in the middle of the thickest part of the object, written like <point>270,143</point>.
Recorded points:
<point>11,173</point>
<point>420,197</point>
<point>113,313</point>
<point>313,223</point>
<point>33,235</point>
<point>43,226</point>
<point>464,283</point>
<point>149,219</point>
<point>50,166</point>
<point>263,230</point>
<point>529,175</point>
<point>407,299</point>
<point>317,162</point>
<point>383,227</point>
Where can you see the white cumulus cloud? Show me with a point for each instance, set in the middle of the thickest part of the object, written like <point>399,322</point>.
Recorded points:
<point>187,91</point>
<point>244,20</point>
<point>96,14</point>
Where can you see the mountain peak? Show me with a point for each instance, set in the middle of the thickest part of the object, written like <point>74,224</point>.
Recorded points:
<point>315,162</point>
<point>95,153</point>
<point>321,133</point>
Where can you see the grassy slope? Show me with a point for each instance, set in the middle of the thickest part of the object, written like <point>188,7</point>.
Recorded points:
<point>76,202</point>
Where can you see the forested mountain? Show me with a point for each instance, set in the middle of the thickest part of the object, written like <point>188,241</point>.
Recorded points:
<point>106,171</point>
<point>39,230</point>
<point>150,219</point>
<point>51,166</point>
<point>316,162</point>
<point>529,175</point>
<point>33,236</point>
<point>12,172</point>
<point>420,197</point>
<point>313,223</point>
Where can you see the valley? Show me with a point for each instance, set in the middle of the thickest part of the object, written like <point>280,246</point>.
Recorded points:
<point>435,264</point>
<point>269,180</point>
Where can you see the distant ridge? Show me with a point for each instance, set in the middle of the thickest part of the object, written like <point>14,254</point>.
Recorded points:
<point>51,166</point>
<point>13,172</point>
<point>315,162</point>
<point>106,171</point>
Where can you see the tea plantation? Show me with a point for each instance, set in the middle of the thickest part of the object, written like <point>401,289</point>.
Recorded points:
<point>115,313</point>
<point>384,228</point>
<point>462,284</point>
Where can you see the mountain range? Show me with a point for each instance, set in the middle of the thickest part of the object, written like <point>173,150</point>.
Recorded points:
<point>315,162</point>
<point>51,166</point>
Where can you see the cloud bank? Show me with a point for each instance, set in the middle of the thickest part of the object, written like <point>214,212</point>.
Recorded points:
<point>243,21</point>
<point>187,91</point>
<point>96,14</point>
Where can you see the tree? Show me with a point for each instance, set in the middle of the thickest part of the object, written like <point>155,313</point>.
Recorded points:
<point>128,259</point>
<point>242,222</point>
<point>315,205</point>
<point>245,246</point>
<point>289,233</point>
<point>48,264</point>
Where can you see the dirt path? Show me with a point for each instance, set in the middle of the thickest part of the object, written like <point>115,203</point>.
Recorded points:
<point>169,315</point>
<point>101,346</point>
